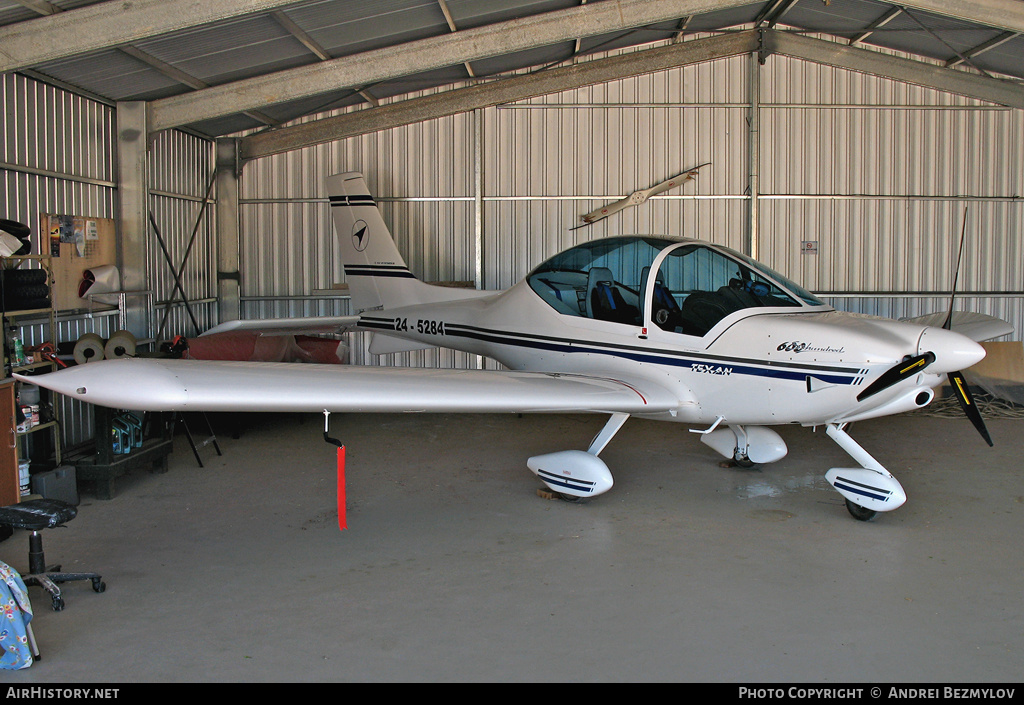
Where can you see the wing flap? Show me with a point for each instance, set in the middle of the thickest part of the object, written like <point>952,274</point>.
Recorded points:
<point>198,385</point>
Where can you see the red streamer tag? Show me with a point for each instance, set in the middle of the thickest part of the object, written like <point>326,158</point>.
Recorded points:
<point>342,522</point>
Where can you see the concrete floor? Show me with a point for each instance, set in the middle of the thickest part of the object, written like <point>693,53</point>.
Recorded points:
<point>453,569</point>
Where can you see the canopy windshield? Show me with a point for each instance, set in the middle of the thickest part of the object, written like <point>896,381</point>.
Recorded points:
<point>695,286</point>
<point>603,279</point>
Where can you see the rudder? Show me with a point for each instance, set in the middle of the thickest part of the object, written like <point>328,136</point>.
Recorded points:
<point>377,275</point>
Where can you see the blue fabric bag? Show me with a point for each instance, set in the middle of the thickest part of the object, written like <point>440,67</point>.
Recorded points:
<point>15,614</point>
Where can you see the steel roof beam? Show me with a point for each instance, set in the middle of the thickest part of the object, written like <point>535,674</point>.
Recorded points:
<point>502,91</point>
<point>422,55</point>
<point>773,13</point>
<point>906,70</point>
<point>982,48</point>
<point>451,25</point>
<point>877,24</point>
<point>113,23</point>
<point>110,24</point>
<point>1001,14</point>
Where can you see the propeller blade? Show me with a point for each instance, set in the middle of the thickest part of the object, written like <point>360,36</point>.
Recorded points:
<point>638,197</point>
<point>897,373</point>
<point>611,209</point>
<point>963,395</point>
<point>674,181</point>
<point>956,273</point>
<point>956,379</point>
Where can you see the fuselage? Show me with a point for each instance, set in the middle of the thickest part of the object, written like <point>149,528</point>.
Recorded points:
<point>732,340</point>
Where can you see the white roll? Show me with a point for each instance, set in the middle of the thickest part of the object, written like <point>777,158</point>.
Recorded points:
<point>89,348</point>
<point>121,344</point>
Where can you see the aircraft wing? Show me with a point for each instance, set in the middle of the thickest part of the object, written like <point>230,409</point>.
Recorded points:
<point>289,326</point>
<point>976,326</point>
<point>151,384</point>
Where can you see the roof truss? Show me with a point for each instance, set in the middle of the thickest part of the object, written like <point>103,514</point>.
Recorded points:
<point>496,92</point>
<point>61,34</point>
<point>635,63</point>
<point>461,47</point>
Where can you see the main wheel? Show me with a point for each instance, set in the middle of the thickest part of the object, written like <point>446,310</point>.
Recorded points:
<point>742,460</point>
<point>860,513</point>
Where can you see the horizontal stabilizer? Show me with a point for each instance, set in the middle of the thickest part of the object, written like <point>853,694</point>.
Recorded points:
<point>382,344</point>
<point>312,325</point>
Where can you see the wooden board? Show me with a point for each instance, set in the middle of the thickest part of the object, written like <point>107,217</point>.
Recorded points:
<point>1003,361</point>
<point>10,483</point>
<point>76,243</point>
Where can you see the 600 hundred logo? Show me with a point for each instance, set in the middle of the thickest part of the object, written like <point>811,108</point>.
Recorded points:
<point>797,347</point>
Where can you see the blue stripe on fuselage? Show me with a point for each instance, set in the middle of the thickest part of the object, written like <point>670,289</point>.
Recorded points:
<point>757,368</point>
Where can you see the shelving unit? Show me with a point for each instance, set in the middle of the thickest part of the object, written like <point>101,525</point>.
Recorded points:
<point>48,452</point>
<point>104,466</point>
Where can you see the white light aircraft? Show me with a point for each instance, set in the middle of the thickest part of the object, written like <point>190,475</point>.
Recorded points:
<point>673,329</point>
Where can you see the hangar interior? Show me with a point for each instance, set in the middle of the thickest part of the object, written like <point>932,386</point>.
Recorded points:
<point>841,142</point>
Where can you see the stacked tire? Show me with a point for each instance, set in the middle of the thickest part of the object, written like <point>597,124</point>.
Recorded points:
<point>23,289</point>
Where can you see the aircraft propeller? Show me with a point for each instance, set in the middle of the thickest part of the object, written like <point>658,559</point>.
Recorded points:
<point>956,379</point>
<point>897,373</point>
<point>638,197</point>
<point>912,365</point>
<point>963,395</point>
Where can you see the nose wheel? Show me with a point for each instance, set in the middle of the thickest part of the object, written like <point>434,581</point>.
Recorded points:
<point>860,513</point>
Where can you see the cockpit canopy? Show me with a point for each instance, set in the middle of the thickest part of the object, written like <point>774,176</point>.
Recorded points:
<point>695,286</point>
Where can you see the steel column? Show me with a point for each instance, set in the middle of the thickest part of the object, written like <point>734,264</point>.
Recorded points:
<point>133,211</point>
<point>228,231</point>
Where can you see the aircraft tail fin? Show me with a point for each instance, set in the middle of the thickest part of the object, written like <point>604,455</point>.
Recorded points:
<point>377,275</point>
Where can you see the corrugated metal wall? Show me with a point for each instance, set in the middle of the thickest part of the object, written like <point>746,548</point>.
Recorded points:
<point>422,178</point>
<point>59,155</point>
<point>180,173</point>
<point>881,184</point>
<point>874,172</point>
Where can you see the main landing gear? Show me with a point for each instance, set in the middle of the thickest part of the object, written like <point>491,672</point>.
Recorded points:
<point>575,475</point>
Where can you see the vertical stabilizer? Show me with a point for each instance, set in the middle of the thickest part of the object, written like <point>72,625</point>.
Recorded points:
<point>377,275</point>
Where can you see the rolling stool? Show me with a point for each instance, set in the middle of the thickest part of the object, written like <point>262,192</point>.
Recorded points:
<point>34,515</point>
